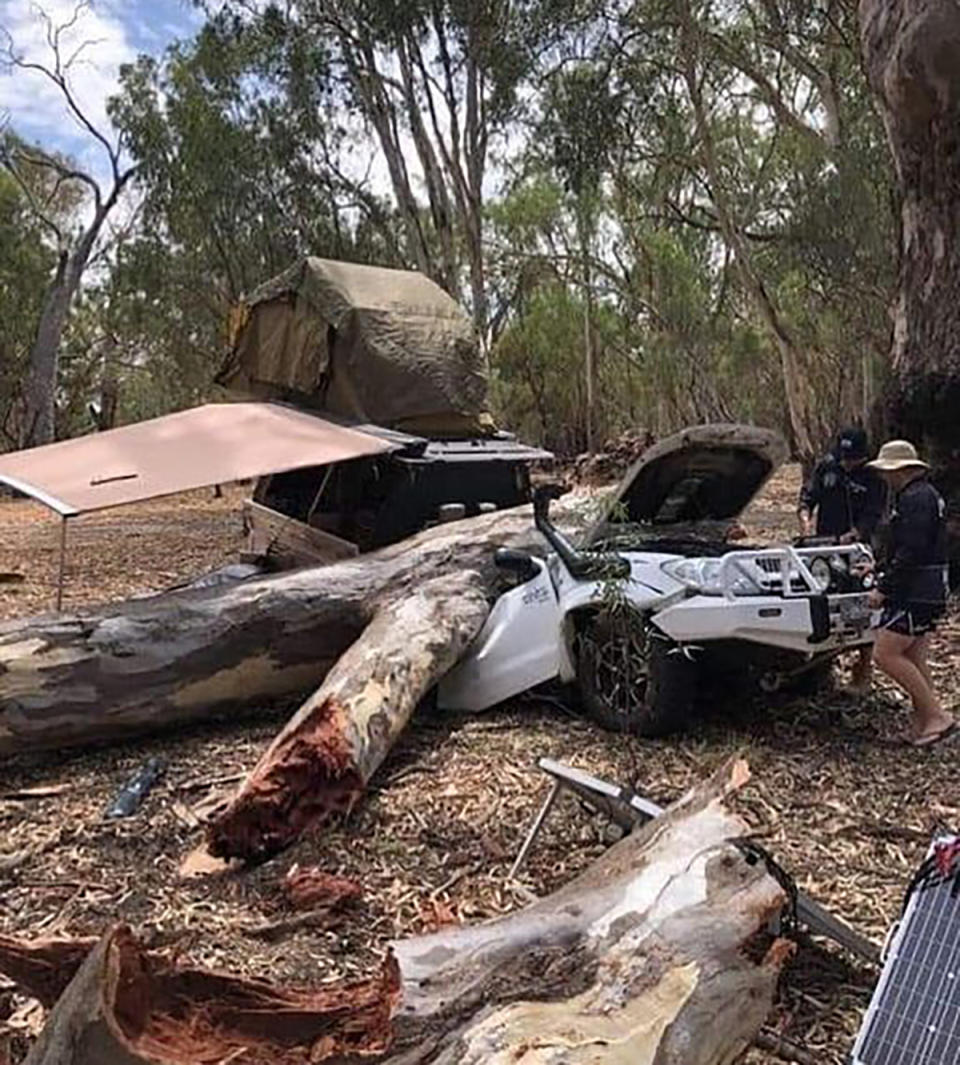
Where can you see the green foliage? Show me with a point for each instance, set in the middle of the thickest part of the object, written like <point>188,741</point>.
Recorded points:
<point>538,371</point>
<point>247,139</point>
<point>230,132</point>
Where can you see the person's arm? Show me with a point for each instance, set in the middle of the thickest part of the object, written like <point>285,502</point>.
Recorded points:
<point>872,510</point>
<point>913,530</point>
<point>809,500</point>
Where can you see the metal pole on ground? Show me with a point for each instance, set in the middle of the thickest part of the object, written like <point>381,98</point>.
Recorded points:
<point>63,563</point>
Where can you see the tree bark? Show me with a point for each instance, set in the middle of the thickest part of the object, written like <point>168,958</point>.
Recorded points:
<point>39,395</point>
<point>122,1006</point>
<point>910,50</point>
<point>40,387</point>
<point>107,674</point>
<point>658,954</point>
<point>324,756</point>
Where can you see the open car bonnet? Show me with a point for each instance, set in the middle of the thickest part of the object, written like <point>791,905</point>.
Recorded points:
<point>705,474</point>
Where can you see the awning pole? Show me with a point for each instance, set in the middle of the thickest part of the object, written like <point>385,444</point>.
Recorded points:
<point>320,491</point>
<point>63,563</point>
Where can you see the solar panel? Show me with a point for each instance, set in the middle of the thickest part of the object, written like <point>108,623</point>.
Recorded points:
<point>914,1014</point>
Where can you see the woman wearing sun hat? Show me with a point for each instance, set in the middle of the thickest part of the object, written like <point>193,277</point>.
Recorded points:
<point>912,587</point>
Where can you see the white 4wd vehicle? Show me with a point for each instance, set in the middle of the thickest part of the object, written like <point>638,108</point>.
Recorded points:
<point>656,599</point>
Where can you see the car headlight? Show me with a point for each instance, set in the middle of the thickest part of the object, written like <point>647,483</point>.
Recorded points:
<point>703,575</point>
<point>821,572</point>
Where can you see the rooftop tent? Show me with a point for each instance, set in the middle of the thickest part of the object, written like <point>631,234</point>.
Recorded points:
<point>363,342</point>
<point>214,444</point>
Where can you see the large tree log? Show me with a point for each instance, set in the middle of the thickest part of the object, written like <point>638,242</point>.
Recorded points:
<point>658,954</point>
<point>105,674</point>
<point>335,742</point>
<point>910,50</point>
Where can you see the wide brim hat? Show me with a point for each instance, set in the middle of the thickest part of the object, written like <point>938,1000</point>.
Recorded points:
<point>897,455</point>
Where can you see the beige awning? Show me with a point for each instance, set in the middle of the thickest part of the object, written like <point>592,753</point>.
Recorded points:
<point>214,444</point>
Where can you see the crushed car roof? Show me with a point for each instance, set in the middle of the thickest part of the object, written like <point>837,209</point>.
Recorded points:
<point>213,444</point>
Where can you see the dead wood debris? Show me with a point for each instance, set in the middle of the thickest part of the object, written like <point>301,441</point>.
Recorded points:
<point>450,808</point>
<point>118,1003</point>
<point>783,1048</point>
<point>313,887</point>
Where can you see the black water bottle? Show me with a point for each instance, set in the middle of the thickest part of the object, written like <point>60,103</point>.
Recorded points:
<point>133,793</point>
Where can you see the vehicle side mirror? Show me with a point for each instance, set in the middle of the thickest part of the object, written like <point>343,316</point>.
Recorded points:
<point>518,563</point>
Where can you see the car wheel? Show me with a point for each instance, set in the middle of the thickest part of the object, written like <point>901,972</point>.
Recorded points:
<point>819,678</point>
<point>632,678</point>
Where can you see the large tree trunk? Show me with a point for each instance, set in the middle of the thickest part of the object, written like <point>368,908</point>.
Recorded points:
<point>40,389</point>
<point>106,674</point>
<point>658,954</point>
<point>332,746</point>
<point>911,49</point>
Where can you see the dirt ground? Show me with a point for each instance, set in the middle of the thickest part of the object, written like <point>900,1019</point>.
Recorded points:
<point>845,807</point>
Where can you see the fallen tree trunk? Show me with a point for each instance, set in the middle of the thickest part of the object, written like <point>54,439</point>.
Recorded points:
<point>148,663</point>
<point>658,954</point>
<point>324,756</point>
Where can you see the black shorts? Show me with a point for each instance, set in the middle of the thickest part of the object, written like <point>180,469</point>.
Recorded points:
<point>911,619</point>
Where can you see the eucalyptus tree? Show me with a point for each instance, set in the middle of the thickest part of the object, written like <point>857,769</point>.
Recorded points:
<point>75,238</point>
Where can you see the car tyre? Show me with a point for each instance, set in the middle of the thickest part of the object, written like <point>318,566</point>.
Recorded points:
<point>815,681</point>
<point>632,678</point>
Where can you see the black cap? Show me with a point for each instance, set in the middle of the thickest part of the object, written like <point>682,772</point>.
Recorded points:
<point>852,443</point>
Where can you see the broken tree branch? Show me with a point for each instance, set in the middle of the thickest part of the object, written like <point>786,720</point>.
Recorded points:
<point>127,1007</point>
<point>322,759</point>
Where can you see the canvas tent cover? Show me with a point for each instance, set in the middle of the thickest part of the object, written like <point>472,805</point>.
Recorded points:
<point>214,444</point>
<point>362,342</point>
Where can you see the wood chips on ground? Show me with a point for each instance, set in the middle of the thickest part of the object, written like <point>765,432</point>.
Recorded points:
<point>844,806</point>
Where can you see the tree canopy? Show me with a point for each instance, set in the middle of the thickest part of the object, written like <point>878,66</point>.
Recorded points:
<point>698,193</point>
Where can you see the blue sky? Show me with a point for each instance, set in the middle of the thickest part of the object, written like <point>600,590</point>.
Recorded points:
<point>118,30</point>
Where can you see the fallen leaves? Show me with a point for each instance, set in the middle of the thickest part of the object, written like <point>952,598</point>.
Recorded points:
<point>432,842</point>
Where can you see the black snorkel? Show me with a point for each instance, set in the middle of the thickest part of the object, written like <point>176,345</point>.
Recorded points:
<point>601,565</point>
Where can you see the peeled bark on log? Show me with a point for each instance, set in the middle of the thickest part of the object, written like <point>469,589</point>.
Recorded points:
<point>103,675</point>
<point>122,1006</point>
<point>324,756</point>
<point>658,954</point>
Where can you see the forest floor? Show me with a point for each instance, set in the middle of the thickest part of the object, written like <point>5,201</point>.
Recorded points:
<point>846,808</point>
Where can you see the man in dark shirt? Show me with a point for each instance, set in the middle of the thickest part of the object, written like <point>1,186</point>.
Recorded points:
<point>912,588</point>
<point>845,498</point>
<point>843,495</point>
